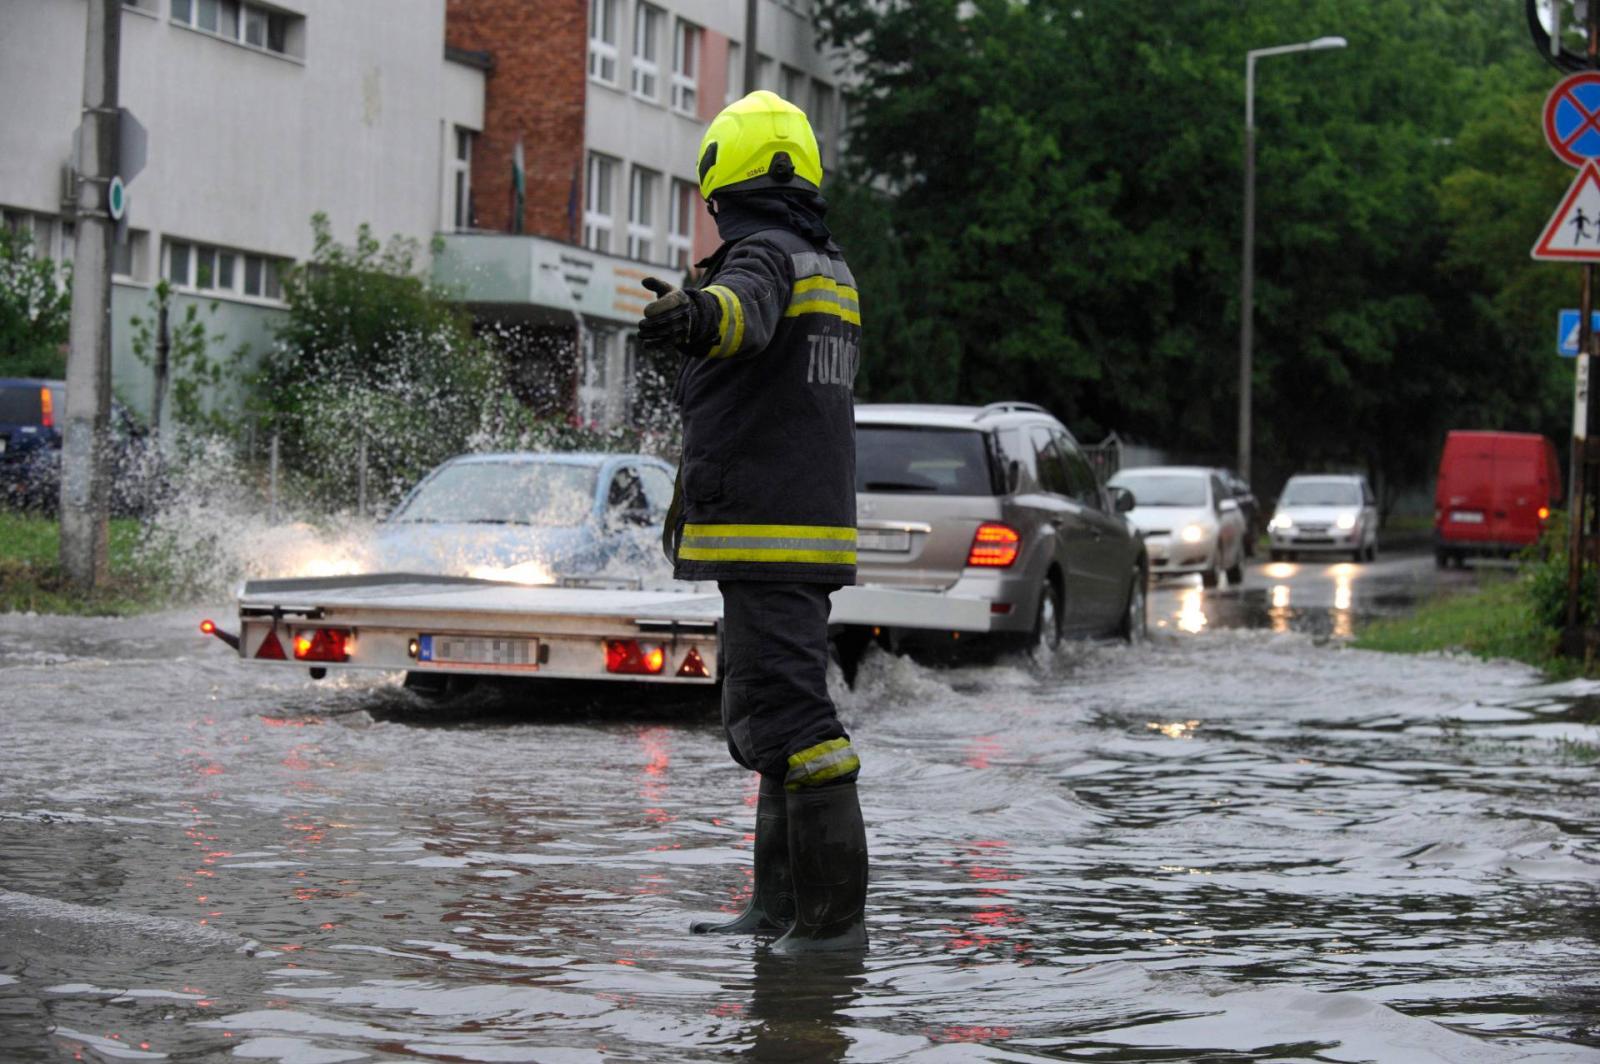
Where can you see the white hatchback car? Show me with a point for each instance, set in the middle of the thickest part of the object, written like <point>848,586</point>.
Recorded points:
<point>1325,513</point>
<point>1190,521</point>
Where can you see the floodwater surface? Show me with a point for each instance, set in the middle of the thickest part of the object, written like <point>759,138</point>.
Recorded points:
<point>1227,845</point>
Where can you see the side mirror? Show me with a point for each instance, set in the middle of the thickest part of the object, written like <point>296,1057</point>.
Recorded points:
<point>1228,506</point>
<point>1121,499</point>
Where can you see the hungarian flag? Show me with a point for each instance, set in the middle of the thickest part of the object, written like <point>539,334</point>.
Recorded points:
<point>519,187</point>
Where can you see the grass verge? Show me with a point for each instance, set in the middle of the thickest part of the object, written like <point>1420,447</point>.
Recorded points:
<point>1496,621</point>
<point>31,579</point>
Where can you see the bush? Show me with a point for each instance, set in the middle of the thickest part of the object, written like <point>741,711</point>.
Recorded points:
<point>1545,565</point>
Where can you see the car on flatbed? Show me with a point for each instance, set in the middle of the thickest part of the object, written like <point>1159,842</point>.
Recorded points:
<point>996,503</point>
<point>531,517</point>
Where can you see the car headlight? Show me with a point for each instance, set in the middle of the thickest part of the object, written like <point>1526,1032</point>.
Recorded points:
<point>1192,533</point>
<point>1346,521</point>
<point>1280,523</point>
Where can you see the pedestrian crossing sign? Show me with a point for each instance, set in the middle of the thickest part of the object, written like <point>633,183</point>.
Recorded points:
<point>1573,234</point>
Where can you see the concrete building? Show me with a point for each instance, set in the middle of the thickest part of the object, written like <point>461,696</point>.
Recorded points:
<point>609,100</point>
<point>407,115</point>
<point>258,116</point>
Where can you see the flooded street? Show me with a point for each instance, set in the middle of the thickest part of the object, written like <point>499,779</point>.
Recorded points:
<point>1241,842</point>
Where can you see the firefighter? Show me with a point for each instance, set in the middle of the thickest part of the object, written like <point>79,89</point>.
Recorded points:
<point>765,503</point>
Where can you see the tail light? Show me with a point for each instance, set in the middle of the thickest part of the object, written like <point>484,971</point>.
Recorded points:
<point>47,409</point>
<point>209,627</point>
<point>994,546</point>
<point>631,657</point>
<point>694,665</point>
<point>322,644</point>
<point>1544,513</point>
<point>271,649</point>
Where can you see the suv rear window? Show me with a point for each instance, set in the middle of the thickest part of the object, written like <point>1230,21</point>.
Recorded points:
<point>891,458</point>
<point>19,405</point>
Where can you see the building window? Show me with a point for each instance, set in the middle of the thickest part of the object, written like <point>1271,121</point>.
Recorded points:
<point>127,258</point>
<point>642,188</point>
<point>680,224</point>
<point>244,23</point>
<point>821,116</point>
<point>647,21</point>
<point>461,212</point>
<point>603,40</point>
<point>763,73</point>
<point>735,73</point>
<point>793,87</point>
<point>597,212</point>
<point>685,67</point>
<point>224,271</point>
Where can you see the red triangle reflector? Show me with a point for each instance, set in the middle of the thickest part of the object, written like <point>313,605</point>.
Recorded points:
<point>694,665</point>
<point>271,649</point>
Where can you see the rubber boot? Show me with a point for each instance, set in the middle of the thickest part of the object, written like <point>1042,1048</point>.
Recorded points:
<point>771,907</point>
<point>828,852</point>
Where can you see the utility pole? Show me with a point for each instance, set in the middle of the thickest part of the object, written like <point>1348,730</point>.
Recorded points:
<point>1581,545</point>
<point>85,492</point>
<point>751,67</point>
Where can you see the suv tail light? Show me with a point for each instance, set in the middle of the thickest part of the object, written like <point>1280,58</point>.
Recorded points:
<point>47,409</point>
<point>630,657</point>
<point>994,546</point>
<point>323,644</point>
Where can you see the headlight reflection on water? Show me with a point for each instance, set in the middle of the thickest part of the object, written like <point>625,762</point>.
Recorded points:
<point>1175,729</point>
<point>1191,611</point>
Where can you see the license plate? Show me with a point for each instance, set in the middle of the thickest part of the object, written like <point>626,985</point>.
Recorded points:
<point>1466,517</point>
<point>883,539</point>
<point>478,650</point>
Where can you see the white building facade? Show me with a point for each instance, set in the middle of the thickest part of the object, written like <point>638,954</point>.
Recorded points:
<point>258,117</point>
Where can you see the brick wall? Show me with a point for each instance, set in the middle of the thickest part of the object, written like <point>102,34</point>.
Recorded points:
<point>536,91</point>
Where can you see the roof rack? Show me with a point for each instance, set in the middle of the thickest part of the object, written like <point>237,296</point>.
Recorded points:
<point>1009,407</point>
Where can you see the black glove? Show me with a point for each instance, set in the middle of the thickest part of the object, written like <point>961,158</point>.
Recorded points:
<point>670,319</point>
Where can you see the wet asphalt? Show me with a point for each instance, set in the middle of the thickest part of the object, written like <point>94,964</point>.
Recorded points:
<point>1244,841</point>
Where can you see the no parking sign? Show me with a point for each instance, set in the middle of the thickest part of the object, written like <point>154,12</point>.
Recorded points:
<point>1572,118</point>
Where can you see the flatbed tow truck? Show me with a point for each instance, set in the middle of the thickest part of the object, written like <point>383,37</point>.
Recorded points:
<point>441,629</point>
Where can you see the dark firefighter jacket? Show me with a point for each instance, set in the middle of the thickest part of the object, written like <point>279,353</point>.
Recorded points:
<point>768,470</point>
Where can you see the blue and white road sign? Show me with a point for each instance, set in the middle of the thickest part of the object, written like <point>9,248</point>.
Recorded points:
<point>1567,331</point>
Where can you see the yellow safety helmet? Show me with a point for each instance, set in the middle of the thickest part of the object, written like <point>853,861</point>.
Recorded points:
<point>761,141</point>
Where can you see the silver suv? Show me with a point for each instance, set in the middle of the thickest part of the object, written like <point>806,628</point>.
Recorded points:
<point>997,503</point>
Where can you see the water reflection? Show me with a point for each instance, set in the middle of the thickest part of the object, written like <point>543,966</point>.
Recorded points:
<point>1191,615</point>
<point>1278,616</point>
<point>798,1005</point>
<point>1328,600</point>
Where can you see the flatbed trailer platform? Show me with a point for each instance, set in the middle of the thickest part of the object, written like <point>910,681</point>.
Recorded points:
<point>439,626</point>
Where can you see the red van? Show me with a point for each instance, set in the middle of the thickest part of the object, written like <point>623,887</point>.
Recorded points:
<point>1496,490</point>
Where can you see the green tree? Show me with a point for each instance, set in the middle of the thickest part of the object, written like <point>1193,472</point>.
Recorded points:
<point>35,310</point>
<point>1044,200</point>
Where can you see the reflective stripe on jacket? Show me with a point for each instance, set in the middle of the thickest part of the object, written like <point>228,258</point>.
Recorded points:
<point>768,470</point>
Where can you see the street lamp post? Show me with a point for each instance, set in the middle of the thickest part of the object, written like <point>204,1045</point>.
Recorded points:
<point>1247,269</point>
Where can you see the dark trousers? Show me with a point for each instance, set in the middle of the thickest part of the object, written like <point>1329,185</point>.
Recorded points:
<point>774,663</point>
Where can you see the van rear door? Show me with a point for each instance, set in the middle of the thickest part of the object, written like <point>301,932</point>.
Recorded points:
<point>1518,491</point>
<point>1466,488</point>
